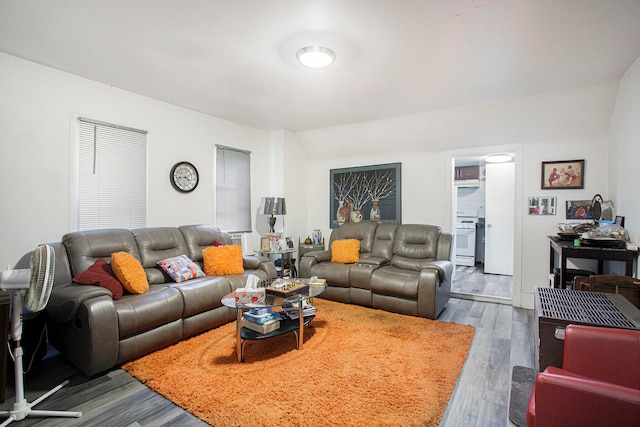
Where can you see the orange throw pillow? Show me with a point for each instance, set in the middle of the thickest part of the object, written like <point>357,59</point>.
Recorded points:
<point>345,251</point>
<point>129,272</point>
<point>222,260</point>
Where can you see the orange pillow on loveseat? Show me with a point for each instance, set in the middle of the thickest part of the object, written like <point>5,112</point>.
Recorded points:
<point>345,251</point>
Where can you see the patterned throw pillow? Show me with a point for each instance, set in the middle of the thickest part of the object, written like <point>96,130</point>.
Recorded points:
<point>345,251</point>
<point>129,272</point>
<point>223,260</point>
<point>101,274</point>
<point>181,268</point>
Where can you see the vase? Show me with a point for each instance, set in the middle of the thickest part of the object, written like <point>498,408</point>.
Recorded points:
<point>340,215</point>
<point>374,215</point>
<point>356,215</point>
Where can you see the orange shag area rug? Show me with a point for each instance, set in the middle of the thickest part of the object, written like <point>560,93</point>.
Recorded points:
<point>358,367</point>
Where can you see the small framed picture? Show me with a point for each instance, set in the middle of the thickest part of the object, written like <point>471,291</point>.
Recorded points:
<point>290,243</point>
<point>579,209</point>
<point>265,244</point>
<point>566,174</point>
<point>620,221</point>
<point>542,205</point>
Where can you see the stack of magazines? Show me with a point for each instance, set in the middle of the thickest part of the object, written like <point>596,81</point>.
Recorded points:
<point>261,320</point>
<point>292,310</point>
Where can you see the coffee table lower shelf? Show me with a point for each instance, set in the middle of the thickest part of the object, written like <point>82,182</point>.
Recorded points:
<point>286,326</point>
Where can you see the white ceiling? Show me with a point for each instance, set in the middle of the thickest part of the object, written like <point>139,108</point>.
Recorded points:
<point>235,59</point>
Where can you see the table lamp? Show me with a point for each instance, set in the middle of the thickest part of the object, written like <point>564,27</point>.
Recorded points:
<point>273,206</point>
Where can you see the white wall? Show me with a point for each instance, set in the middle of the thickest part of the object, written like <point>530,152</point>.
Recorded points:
<point>37,137</point>
<point>624,149</point>
<point>566,125</point>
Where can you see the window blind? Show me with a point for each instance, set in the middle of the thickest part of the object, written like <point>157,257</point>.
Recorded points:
<point>112,179</point>
<point>233,190</point>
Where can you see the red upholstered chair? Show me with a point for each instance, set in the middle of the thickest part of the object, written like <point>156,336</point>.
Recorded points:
<point>598,385</point>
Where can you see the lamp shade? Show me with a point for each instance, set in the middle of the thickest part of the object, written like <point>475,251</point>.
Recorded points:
<point>273,206</point>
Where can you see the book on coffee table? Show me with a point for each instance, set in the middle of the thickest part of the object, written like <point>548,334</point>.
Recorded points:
<point>263,328</point>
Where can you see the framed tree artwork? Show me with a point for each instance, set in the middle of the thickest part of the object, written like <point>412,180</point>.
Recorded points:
<point>365,193</point>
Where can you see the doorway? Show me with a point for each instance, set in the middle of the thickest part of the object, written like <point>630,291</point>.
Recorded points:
<point>483,201</point>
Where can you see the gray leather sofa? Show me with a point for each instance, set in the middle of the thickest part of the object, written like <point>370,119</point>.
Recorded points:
<point>402,268</point>
<point>96,332</point>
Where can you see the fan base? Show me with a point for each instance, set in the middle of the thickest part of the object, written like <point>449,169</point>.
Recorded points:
<point>22,410</point>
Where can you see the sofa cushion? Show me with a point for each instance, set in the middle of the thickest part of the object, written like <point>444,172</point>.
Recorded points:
<point>396,282</point>
<point>363,231</point>
<point>200,237</point>
<point>223,260</point>
<point>143,312</point>
<point>129,272</point>
<point>415,246</point>
<point>181,268</point>
<point>85,247</point>
<point>345,251</point>
<point>202,294</point>
<point>383,241</point>
<point>156,244</point>
<point>101,274</point>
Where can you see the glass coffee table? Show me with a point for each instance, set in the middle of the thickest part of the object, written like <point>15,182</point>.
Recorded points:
<point>286,324</point>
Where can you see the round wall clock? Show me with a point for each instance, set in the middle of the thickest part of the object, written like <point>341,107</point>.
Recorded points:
<point>184,177</point>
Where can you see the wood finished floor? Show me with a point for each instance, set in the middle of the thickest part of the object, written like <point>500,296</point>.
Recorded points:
<point>472,280</point>
<point>504,338</point>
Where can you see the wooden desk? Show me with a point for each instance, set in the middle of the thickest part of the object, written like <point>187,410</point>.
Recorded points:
<point>565,249</point>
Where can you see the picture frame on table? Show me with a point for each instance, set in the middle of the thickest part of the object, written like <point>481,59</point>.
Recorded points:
<point>265,244</point>
<point>290,244</point>
<point>564,174</point>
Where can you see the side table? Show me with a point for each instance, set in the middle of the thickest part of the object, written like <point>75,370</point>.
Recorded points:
<point>286,262</point>
<point>562,250</point>
<point>303,248</point>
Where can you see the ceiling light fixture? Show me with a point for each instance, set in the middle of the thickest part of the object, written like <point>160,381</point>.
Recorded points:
<point>316,57</point>
<point>499,158</point>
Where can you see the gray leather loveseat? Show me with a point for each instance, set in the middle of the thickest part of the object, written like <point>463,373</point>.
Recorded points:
<point>402,268</point>
<point>96,332</point>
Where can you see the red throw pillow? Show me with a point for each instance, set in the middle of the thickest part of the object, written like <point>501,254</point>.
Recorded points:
<point>101,274</point>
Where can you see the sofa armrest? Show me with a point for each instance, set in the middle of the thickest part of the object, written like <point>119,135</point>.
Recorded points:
<point>562,400</point>
<point>444,269</point>
<point>319,256</point>
<point>252,262</point>
<point>373,261</point>
<point>66,298</point>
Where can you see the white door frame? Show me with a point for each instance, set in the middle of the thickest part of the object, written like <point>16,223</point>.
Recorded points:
<point>519,205</point>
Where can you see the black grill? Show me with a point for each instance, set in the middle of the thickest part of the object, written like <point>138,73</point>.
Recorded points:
<point>582,307</point>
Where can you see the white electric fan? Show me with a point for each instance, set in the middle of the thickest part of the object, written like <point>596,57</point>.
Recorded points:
<point>29,289</point>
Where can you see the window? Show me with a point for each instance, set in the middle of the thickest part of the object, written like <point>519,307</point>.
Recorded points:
<point>112,176</point>
<point>233,190</point>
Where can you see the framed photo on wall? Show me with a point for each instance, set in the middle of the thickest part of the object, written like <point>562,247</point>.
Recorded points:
<point>542,205</point>
<point>365,193</point>
<point>565,174</point>
<point>579,209</point>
